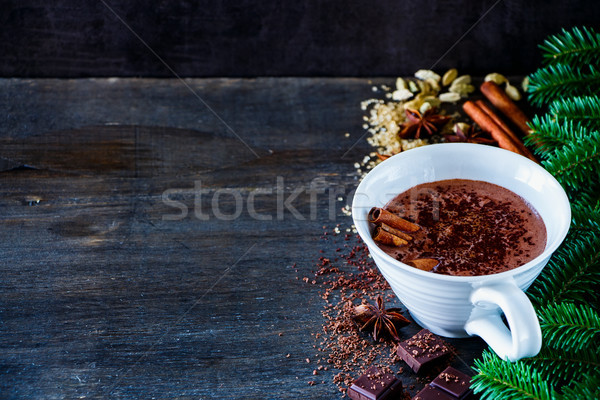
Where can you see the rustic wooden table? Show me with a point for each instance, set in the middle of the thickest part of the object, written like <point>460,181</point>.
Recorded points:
<point>149,231</point>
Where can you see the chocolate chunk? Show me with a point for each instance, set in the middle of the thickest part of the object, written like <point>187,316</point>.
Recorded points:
<point>429,393</point>
<point>453,382</point>
<point>375,384</point>
<point>423,350</point>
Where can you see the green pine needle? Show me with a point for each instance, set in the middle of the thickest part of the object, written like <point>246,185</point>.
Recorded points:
<point>584,111</point>
<point>562,80</point>
<point>549,135</point>
<point>568,326</point>
<point>571,274</point>
<point>560,367</point>
<point>588,387</point>
<point>585,215</point>
<point>577,165</point>
<point>499,379</point>
<point>580,45</point>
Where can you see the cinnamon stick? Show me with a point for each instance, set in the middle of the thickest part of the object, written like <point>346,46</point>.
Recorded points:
<point>396,232</point>
<point>502,102</point>
<point>382,157</point>
<point>381,236</point>
<point>507,130</point>
<point>380,216</point>
<point>487,124</point>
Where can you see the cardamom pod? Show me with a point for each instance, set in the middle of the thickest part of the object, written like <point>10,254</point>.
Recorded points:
<point>449,76</point>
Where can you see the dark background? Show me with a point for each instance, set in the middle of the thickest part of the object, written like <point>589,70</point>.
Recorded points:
<point>61,38</point>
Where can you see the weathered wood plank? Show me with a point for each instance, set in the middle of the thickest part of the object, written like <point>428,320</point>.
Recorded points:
<point>107,293</point>
<point>249,38</point>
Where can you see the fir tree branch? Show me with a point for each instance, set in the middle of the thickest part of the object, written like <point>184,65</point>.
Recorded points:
<point>499,379</point>
<point>549,135</point>
<point>582,110</point>
<point>580,45</point>
<point>577,164</point>
<point>562,80</point>
<point>560,366</point>
<point>570,275</point>
<point>585,215</point>
<point>569,327</point>
<point>588,387</point>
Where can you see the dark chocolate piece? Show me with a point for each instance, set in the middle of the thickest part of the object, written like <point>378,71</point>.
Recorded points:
<point>431,393</point>
<point>423,350</point>
<point>453,382</point>
<point>376,385</point>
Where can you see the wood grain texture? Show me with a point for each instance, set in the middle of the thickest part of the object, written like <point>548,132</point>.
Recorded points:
<point>205,38</point>
<point>107,293</point>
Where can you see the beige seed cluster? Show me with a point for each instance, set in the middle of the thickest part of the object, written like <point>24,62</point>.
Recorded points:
<point>384,118</point>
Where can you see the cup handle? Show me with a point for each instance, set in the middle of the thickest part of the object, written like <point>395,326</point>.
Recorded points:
<point>524,339</point>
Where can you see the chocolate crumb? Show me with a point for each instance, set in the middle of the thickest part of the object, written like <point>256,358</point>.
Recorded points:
<point>343,285</point>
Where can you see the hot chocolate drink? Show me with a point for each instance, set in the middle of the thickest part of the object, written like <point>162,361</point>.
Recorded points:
<point>464,227</point>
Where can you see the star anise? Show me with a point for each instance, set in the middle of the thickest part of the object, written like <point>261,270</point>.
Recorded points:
<point>383,322</point>
<point>419,124</point>
<point>472,135</point>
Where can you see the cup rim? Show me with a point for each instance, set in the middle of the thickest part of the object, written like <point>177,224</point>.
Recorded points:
<point>373,247</point>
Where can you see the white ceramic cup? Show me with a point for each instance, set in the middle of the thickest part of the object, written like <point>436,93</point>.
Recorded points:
<point>461,306</point>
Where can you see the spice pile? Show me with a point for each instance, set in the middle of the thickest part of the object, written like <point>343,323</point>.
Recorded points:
<point>350,282</point>
<point>426,109</point>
